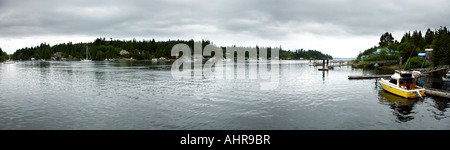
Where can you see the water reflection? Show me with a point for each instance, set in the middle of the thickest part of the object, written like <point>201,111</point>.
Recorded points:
<point>403,108</point>
<point>435,80</point>
<point>44,69</point>
<point>323,75</point>
<point>441,105</point>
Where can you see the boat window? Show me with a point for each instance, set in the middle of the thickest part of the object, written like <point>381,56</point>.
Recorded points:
<point>393,81</point>
<point>406,75</point>
<point>402,82</point>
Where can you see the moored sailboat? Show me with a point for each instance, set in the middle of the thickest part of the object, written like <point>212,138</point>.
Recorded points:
<point>87,56</point>
<point>9,61</point>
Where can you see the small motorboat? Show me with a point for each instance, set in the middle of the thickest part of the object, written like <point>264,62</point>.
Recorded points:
<point>403,84</point>
<point>85,60</point>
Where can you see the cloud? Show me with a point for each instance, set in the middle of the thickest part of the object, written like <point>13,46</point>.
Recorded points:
<point>222,21</point>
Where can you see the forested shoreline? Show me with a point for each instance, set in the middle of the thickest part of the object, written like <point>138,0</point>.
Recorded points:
<point>102,48</point>
<point>410,45</point>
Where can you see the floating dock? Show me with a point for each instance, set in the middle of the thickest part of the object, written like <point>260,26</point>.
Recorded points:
<point>323,69</point>
<point>369,76</point>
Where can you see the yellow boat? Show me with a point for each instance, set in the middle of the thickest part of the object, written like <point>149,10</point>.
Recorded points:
<point>403,84</point>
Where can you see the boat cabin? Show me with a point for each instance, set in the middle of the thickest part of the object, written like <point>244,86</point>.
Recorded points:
<point>404,79</point>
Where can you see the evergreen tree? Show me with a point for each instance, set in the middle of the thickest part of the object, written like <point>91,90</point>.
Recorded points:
<point>417,40</point>
<point>441,46</point>
<point>386,39</point>
<point>406,37</point>
<point>3,55</point>
<point>429,37</point>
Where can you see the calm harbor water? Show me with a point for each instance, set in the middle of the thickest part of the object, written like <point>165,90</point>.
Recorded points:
<point>144,95</point>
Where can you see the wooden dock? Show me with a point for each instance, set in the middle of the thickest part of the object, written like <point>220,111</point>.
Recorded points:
<point>437,92</point>
<point>369,76</point>
<point>434,69</point>
<point>331,63</point>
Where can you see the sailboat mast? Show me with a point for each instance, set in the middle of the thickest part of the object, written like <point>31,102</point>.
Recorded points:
<point>87,52</point>
<point>9,56</point>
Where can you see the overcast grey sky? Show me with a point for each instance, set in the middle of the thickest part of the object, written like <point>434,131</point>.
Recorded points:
<point>341,28</point>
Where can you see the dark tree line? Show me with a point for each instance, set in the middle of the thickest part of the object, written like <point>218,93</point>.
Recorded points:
<point>101,49</point>
<point>305,54</point>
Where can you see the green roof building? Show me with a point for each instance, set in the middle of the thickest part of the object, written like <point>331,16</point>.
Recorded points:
<point>388,51</point>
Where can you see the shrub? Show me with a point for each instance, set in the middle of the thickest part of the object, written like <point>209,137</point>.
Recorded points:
<point>416,62</point>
